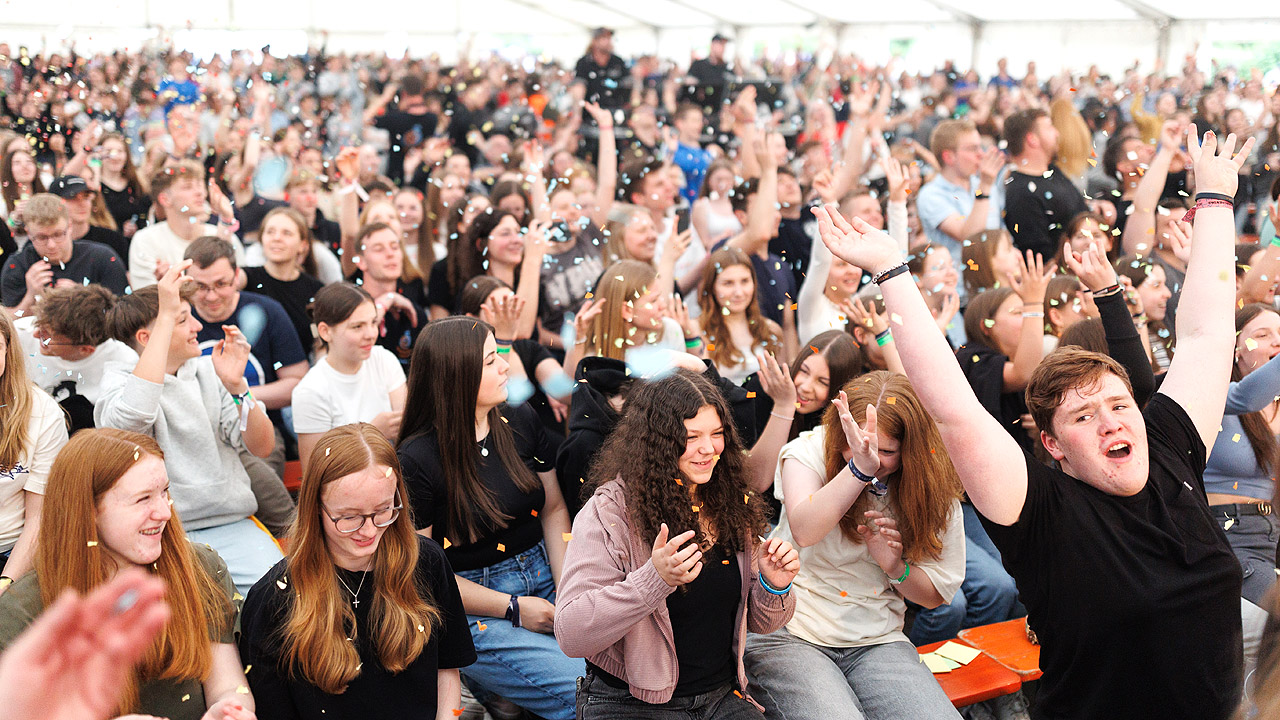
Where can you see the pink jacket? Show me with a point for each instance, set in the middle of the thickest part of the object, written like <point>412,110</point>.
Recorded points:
<point>611,605</point>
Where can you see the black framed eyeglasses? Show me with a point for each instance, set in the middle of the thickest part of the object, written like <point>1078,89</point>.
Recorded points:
<point>348,524</point>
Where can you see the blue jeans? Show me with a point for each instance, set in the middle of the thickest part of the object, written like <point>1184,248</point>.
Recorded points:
<point>797,680</point>
<point>987,595</point>
<point>523,666</point>
<point>247,549</point>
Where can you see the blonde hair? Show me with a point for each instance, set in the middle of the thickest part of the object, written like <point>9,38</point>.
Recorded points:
<point>615,232</point>
<point>319,632</point>
<point>1075,144</point>
<point>623,283</point>
<point>16,395</point>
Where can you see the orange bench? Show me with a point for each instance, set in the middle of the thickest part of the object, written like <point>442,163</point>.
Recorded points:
<point>982,679</point>
<point>1007,643</point>
<point>293,476</point>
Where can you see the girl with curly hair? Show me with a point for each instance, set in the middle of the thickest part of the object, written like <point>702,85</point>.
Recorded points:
<point>875,511</point>
<point>665,575</point>
<point>734,329</point>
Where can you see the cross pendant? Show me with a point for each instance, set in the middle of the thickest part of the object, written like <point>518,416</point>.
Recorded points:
<point>355,603</point>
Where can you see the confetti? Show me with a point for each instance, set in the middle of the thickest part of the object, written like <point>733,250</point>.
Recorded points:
<point>1227,525</point>
<point>387,473</point>
<point>1235,438</point>
<point>446,544</point>
<point>752,394</point>
<point>502,548</point>
<point>481,626</point>
<point>844,593</point>
<point>93,543</point>
<point>534,513</point>
<point>567,536</point>
<point>891,400</point>
<point>186,697</point>
<point>1250,343</point>
<point>242,689</point>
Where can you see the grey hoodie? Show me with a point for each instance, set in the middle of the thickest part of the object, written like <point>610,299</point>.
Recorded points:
<point>197,425</point>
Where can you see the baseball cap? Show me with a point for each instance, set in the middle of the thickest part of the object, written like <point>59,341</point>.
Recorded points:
<point>68,186</point>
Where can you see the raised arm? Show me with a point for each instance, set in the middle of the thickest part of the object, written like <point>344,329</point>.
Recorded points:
<point>760,225</point>
<point>1198,377</point>
<point>1139,229</point>
<point>606,165</point>
<point>987,458</point>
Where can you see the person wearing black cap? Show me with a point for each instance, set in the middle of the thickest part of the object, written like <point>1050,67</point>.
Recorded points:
<point>79,197</point>
<point>604,73</point>
<point>712,77</point>
<point>51,258</point>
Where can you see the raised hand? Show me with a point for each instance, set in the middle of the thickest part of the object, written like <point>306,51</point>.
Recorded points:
<point>678,311</point>
<point>898,177</point>
<point>603,118</point>
<point>170,289</point>
<point>582,321</point>
<point>864,442</point>
<point>990,167</point>
<point>348,163</point>
<point>1179,240</point>
<point>219,203</point>
<point>1033,278</point>
<point>858,243</point>
<point>775,378</point>
<point>503,313</point>
<point>862,316</point>
<point>779,562</point>
<point>230,357</point>
<point>824,185</point>
<point>676,565</point>
<point>1217,166</point>
<point>1091,267</point>
<point>884,542</point>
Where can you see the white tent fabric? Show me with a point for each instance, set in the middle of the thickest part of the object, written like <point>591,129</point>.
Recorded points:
<point>1109,33</point>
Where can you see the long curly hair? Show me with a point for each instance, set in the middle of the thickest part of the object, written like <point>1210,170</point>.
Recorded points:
<point>645,450</point>
<point>719,342</point>
<point>921,492</point>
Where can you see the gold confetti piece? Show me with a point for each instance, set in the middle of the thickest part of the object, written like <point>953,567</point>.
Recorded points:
<point>446,544</point>
<point>752,394</point>
<point>242,689</point>
<point>1250,344</point>
<point>421,628</point>
<point>481,626</point>
<point>589,296</point>
<point>326,451</point>
<point>679,482</point>
<point>696,508</point>
<point>897,319</point>
<point>186,697</point>
<point>746,499</point>
<point>891,400</point>
<point>1227,525</point>
<point>567,536</point>
<point>247,668</point>
<point>1235,438</point>
<point>93,543</point>
<point>387,473</point>
<point>282,585</point>
<point>502,548</point>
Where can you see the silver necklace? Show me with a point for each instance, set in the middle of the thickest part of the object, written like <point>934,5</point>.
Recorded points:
<point>355,599</point>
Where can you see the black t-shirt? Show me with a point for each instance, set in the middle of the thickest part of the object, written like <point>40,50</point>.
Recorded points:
<point>1136,600</point>
<point>703,615</point>
<point>294,295</point>
<point>420,461</point>
<point>398,332</point>
<point>608,86</point>
<point>568,277</point>
<point>90,263</point>
<point>327,232</point>
<point>375,693</point>
<point>1038,207</point>
<point>118,243</point>
<point>125,205</point>
<point>438,293</point>
<point>407,130</point>
<point>983,367</point>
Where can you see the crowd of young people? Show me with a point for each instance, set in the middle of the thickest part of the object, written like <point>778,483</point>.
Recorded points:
<point>630,391</point>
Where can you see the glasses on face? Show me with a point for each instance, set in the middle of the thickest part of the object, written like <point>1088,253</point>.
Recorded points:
<point>47,237</point>
<point>348,524</point>
<point>214,288</point>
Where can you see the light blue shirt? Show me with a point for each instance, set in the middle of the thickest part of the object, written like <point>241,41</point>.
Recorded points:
<point>939,199</point>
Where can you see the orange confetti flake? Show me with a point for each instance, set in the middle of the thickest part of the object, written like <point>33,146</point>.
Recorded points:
<point>750,395</point>
<point>446,544</point>
<point>844,594</point>
<point>679,482</point>
<point>567,536</point>
<point>481,626</point>
<point>457,712</point>
<point>891,400</point>
<point>502,548</point>
<point>534,513</point>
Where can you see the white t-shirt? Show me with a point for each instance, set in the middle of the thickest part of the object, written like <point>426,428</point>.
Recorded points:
<point>325,398</point>
<point>46,434</point>
<point>160,242</point>
<point>61,378</point>
<point>843,598</point>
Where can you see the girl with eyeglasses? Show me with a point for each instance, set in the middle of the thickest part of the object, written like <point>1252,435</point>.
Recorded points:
<point>363,618</point>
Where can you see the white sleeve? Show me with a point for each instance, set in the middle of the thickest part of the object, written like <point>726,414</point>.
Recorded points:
<point>48,433</point>
<point>312,412</point>
<point>947,572</point>
<point>142,260</point>
<point>388,371</point>
<point>811,288</point>
<point>898,225</point>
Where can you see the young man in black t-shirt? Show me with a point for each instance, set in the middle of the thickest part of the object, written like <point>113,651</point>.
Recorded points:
<point>1128,580</point>
<point>1039,199</point>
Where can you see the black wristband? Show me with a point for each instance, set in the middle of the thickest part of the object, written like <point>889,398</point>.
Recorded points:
<point>513,612</point>
<point>981,196</point>
<point>1215,196</point>
<point>891,272</point>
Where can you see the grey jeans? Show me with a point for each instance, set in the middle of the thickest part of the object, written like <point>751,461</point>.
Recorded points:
<point>1253,539</point>
<point>797,680</point>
